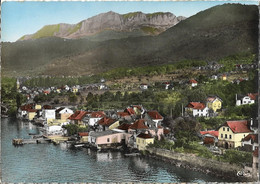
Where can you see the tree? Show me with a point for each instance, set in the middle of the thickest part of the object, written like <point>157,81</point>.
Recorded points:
<point>185,130</point>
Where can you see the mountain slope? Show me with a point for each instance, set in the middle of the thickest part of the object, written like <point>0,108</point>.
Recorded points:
<point>147,24</point>
<point>209,35</point>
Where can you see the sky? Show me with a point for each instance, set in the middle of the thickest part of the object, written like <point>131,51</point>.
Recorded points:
<point>21,18</point>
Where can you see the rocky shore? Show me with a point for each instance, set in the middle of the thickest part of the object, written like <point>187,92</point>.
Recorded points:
<point>192,162</point>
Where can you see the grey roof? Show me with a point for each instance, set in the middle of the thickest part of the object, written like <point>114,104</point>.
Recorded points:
<point>103,133</point>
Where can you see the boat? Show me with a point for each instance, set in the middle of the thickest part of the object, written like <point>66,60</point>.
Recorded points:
<point>132,154</point>
<point>78,145</point>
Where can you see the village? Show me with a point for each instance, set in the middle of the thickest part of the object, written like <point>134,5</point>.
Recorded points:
<point>135,128</point>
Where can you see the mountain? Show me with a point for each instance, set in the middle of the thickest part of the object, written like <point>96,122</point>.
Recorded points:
<point>209,35</point>
<point>136,22</point>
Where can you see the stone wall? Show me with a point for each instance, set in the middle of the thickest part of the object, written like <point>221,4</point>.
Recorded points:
<point>191,161</point>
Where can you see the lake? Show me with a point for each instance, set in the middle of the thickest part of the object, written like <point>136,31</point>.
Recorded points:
<point>59,163</point>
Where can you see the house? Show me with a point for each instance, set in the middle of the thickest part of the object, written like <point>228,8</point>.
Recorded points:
<point>250,98</point>
<point>142,140</point>
<point>74,89</point>
<point>166,85</point>
<point>77,117</point>
<point>95,117</point>
<point>224,77</point>
<point>143,86</point>
<point>214,103</point>
<point>23,110</point>
<point>209,137</point>
<point>31,113</point>
<point>63,113</point>
<point>107,123</point>
<point>38,107</point>
<point>231,133</point>
<point>155,116</point>
<point>128,114</point>
<point>83,137</point>
<point>54,130</point>
<point>193,83</point>
<point>197,109</point>
<point>138,109</point>
<point>49,115</point>
<point>106,139</point>
<point>250,142</point>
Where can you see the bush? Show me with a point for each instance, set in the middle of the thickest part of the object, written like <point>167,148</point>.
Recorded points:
<point>238,157</point>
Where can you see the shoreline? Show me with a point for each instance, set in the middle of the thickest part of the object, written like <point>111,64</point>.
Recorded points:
<point>194,163</point>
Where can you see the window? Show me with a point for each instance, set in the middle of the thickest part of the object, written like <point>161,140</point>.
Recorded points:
<point>244,135</point>
<point>228,129</point>
<point>223,129</point>
<point>225,136</point>
<point>221,135</point>
<point>230,136</point>
<point>108,139</point>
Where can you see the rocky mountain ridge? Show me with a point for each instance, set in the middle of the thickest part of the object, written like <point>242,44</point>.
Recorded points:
<point>148,24</point>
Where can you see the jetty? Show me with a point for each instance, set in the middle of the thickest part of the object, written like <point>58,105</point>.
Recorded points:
<point>30,141</point>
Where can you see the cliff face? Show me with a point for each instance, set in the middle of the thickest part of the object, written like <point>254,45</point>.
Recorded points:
<point>148,24</point>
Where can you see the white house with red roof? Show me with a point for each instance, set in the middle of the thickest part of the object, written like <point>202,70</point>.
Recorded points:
<point>209,137</point>
<point>155,116</point>
<point>77,117</point>
<point>95,117</point>
<point>231,133</point>
<point>193,82</point>
<point>197,109</point>
<point>250,98</point>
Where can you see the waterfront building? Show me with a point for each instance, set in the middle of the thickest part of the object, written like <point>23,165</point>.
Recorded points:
<point>107,139</point>
<point>231,133</point>
<point>142,140</point>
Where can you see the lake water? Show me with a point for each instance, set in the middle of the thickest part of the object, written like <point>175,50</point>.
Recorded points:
<point>58,163</point>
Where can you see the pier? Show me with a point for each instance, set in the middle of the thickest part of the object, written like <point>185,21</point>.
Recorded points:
<point>30,141</point>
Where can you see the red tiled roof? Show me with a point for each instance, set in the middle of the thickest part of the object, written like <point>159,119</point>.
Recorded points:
<point>78,115</point>
<point>252,96</point>
<point>26,107</point>
<point>208,140</point>
<point>196,105</point>
<point>32,110</point>
<point>166,83</point>
<point>144,136</point>
<point>47,107</point>
<point>166,131</point>
<point>83,133</point>
<point>155,115</point>
<point>211,132</point>
<point>98,114</point>
<point>238,126</point>
<point>253,137</point>
<point>124,126</point>
<point>106,121</point>
<point>159,126</point>
<point>130,111</point>
<point>193,81</point>
<point>255,153</point>
<point>123,114</point>
<point>139,124</point>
